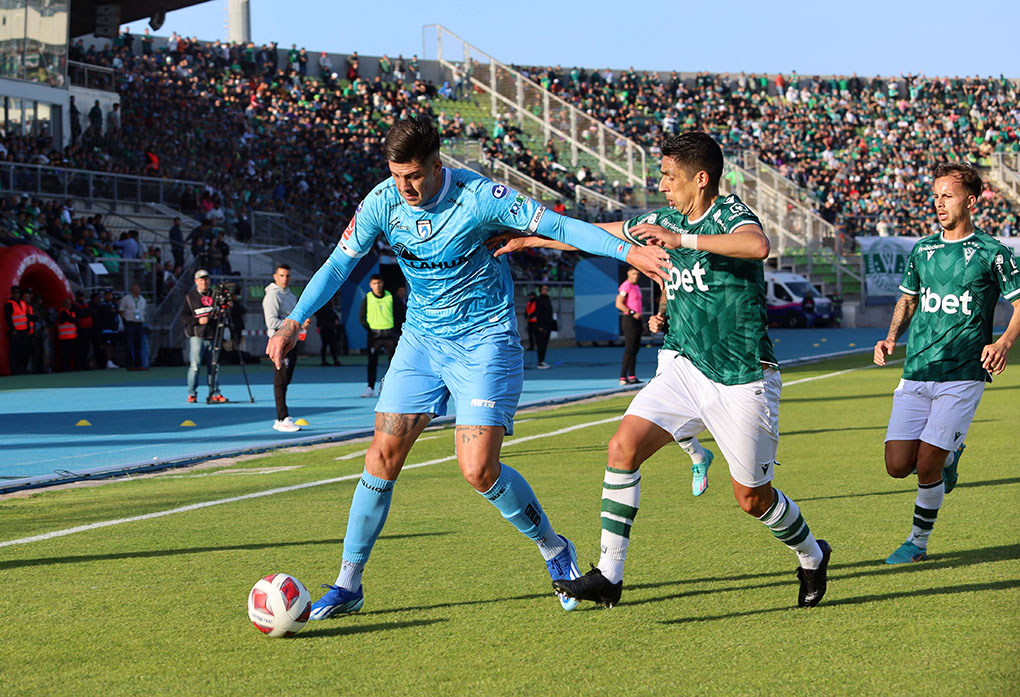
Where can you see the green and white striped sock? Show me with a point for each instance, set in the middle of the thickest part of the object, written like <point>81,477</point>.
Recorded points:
<point>621,494</point>
<point>783,518</point>
<point>926,510</point>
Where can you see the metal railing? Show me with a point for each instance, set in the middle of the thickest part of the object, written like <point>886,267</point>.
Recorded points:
<point>91,186</point>
<point>94,77</point>
<point>786,214</point>
<point>1006,172</point>
<point>304,248</point>
<point>539,112</point>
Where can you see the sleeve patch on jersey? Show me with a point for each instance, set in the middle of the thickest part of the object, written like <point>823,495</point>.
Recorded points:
<point>498,191</point>
<point>349,230</point>
<point>518,203</point>
<point>536,219</point>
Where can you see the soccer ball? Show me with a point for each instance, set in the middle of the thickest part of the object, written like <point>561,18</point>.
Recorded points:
<point>279,605</point>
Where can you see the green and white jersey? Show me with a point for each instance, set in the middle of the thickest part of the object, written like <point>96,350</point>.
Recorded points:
<point>957,283</point>
<point>715,304</point>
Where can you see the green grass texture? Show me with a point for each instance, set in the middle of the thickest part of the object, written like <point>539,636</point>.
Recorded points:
<point>457,602</point>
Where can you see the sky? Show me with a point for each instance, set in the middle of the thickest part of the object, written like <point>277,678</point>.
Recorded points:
<point>868,37</point>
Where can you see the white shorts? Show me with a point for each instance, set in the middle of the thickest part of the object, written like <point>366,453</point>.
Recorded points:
<point>743,419</point>
<point>939,413</point>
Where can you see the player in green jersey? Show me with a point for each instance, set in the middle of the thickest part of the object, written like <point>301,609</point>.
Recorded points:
<point>954,280</point>
<point>717,369</point>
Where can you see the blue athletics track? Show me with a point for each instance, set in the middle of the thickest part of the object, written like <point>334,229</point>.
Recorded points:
<point>131,421</point>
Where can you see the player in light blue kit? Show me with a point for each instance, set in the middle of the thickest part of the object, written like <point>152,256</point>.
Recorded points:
<point>460,337</point>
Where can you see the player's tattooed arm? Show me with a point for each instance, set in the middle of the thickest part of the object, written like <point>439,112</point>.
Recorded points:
<point>902,314</point>
<point>904,311</point>
<point>401,424</point>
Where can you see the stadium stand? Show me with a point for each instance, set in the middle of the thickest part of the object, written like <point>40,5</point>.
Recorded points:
<point>862,147</point>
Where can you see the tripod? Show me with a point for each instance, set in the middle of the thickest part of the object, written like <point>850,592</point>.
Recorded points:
<point>225,321</point>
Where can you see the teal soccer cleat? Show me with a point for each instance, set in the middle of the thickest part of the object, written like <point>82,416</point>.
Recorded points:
<point>949,473</point>
<point>699,474</point>
<point>564,567</point>
<point>337,601</point>
<point>906,553</point>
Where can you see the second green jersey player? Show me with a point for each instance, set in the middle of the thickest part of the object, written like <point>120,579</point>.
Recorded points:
<point>950,287</point>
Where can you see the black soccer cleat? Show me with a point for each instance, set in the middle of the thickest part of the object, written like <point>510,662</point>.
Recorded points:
<point>592,586</point>
<point>813,581</point>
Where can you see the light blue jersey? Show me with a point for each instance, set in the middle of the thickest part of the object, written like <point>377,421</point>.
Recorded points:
<point>455,286</point>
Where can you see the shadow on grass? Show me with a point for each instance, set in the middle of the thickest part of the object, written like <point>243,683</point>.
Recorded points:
<point>142,554</point>
<point>349,630</point>
<point>860,599</point>
<point>961,485</point>
<point>838,573</point>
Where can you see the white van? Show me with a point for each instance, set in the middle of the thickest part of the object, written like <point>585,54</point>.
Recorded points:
<point>793,301</point>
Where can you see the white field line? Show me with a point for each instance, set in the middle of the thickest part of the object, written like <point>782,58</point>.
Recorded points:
<point>271,492</point>
<point>359,453</point>
<point>345,478</point>
<point>838,372</point>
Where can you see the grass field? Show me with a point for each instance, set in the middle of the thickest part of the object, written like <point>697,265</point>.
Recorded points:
<point>458,603</point>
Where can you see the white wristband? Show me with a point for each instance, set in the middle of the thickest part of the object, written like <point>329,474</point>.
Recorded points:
<point>688,241</point>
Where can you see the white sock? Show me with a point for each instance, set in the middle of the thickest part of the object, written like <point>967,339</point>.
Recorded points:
<point>349,577</point>
<point>693,448</point>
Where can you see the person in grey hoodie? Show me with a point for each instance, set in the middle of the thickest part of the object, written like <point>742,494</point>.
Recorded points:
<point>276,305</point>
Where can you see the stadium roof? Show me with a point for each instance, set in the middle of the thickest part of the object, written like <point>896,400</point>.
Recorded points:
<point>83,12</point>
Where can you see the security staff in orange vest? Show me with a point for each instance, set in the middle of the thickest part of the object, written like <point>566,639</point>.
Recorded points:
<point>67,335</point>
<point>16,323</point>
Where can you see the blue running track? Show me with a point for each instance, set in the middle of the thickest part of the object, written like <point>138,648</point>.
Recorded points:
<point>135,418</point>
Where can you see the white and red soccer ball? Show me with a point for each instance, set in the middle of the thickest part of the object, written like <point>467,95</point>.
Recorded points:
<point>279,605</point>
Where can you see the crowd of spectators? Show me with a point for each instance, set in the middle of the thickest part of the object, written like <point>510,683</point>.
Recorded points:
<point>262,134</point>
<point>862,147</point>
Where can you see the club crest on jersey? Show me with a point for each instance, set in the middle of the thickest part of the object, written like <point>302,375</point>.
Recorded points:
<point>424,229</point>
<point>498,191</point>
<point>968,252</point>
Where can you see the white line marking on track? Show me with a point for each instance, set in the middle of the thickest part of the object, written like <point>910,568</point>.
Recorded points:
<point>335,480</point>
<point>271,492</point>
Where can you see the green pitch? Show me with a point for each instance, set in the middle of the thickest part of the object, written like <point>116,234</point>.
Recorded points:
<point>458,603</point>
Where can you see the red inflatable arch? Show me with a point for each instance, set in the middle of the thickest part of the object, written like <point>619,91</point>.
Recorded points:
<point>24,265</point>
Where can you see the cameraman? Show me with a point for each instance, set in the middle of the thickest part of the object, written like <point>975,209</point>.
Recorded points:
<point>200,321</point>
<point>277,303</point>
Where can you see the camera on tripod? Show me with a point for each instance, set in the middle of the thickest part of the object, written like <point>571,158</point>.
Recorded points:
<point>223,294</point>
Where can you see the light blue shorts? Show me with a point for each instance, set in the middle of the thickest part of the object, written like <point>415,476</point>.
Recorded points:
<point>483,372</point>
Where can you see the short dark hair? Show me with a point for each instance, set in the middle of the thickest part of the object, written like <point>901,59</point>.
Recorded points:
<point>695,151</point>
<point>414,139</point>
<point>375,277</point>
<point>281,266</point>
<point>966,174</point>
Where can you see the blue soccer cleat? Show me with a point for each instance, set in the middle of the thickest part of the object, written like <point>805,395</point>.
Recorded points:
<point>949,473</point>
<point>906,553</point>
<point>699,474</point>
<point>564,566</point>
<point>337,601</point>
